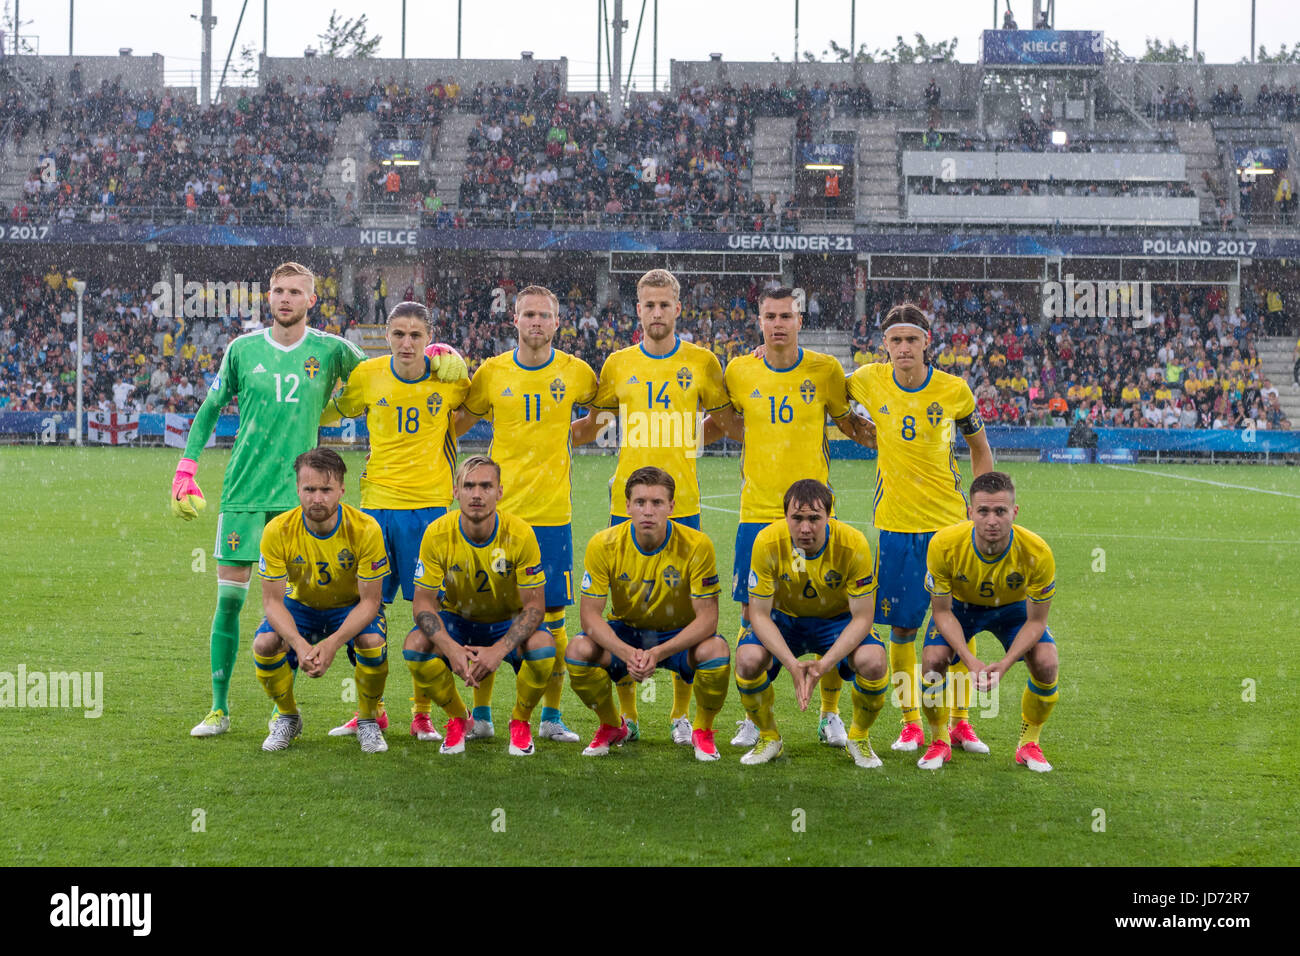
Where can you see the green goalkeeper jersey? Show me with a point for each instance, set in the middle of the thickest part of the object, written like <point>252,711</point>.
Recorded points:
<point>281,391</point>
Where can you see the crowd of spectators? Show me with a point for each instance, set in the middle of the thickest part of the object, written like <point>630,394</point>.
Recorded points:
<point>929,185</point>
<point>1195,366</point>
<point>679,158</point>
<point>114,152</point>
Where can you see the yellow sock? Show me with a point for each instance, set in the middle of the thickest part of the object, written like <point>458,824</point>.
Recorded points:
<point>682,698</point>
<point>370,673</point>
<point>626,698</point>
<point>711,680</point>
<point>831,685</point>
<point>759,700</point>
<point>554,622</point>
<point>593,687</point>
<point>276,678</point>
<point>1036,704</point>
<point>433,684</point>
<point>483,697</point>
<point>960,679</point>
<point>530,682</point>
<point>935,708</point>
<point>868,699</point>
<point>902,661</point>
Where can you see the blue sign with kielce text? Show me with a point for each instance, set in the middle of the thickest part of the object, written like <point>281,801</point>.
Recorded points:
<point>1043,48</point>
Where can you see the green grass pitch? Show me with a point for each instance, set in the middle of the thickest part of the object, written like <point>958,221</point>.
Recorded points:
<point>1171,742</point>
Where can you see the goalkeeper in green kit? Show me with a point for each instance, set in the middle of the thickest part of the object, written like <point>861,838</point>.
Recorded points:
<point>282,377</point>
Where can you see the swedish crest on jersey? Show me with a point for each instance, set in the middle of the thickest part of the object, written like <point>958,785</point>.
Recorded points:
<point>934,413</point>
<point>833,579</point>
<point>347,559</point>
<point>311,367</point>
<point>684,378</point>
<point>807,391</point>
<point>557,390</point>
<point>672,577</point>
<point>1015,581</point>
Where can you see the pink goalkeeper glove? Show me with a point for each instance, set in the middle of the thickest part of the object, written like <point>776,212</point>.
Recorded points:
<point>446,362</point>
<point>187,498</point>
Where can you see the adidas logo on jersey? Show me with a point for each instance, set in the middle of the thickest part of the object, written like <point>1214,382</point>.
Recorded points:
<point>633,381</point>
<point>962,577</point>
<point>383,402</point>
<point>260,368</point>
<point>507,393</point>
<point>624,577</point>
<point>884,409</point>
<point>755,394</point>
<point>455,567</point>
<point>299,560</point>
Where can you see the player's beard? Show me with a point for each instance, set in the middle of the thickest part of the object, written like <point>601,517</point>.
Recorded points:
<point>665,331</point>
<point>291,320</point>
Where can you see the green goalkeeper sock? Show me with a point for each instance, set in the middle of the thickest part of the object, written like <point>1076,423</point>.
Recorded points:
<point>225,640</point>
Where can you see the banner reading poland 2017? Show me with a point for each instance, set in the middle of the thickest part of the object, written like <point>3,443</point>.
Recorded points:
<point>1042,48</point>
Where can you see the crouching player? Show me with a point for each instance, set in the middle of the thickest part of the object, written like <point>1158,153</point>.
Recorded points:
<point>662,579</point>
<point>812,589</point>
<point>322,568</point>
<point>489,568</point>
<point>988,574</point>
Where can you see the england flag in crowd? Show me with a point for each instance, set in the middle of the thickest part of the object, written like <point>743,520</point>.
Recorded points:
<point>112,428</point>
<point>176,430</point>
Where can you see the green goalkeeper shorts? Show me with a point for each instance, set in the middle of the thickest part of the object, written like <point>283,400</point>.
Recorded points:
<point>239,536</point>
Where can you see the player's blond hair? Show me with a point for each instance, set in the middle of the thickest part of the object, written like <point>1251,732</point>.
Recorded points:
<point>659,279</point>
<point>538,290</point>
<point>472,462</point>
<point>294,269</point>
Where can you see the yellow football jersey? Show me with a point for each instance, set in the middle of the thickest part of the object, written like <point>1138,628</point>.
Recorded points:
<point>323,571</point>
<point>531,410</point>
<point>412,444</point>
<point>650,590</point>
<point>1025,570</point>
<point>658,399</point>
<point>481,581</point>
<point>785,425</point>
<point>812,585</point>
<point>918,484</point>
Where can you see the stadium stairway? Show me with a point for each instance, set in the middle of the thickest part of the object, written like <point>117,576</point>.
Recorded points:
<point>834,342</point>
<point>16,161</point>
<point>1196,141</point>
<point>878,179</point>
<point>452,151</point>
<point>773,170</point>
<point>1276,357</point>
<point>352,141</point>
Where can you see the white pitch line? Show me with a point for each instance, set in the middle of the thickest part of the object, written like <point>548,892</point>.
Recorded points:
<point>1082,534</point>
<point>1205,481</point>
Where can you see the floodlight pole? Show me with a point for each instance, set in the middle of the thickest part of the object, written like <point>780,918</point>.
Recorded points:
<point>1196,19</point>
<point>1252,31</point>
<point>72,4</point>
<point>403,30</point>
<point>79,287</point>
